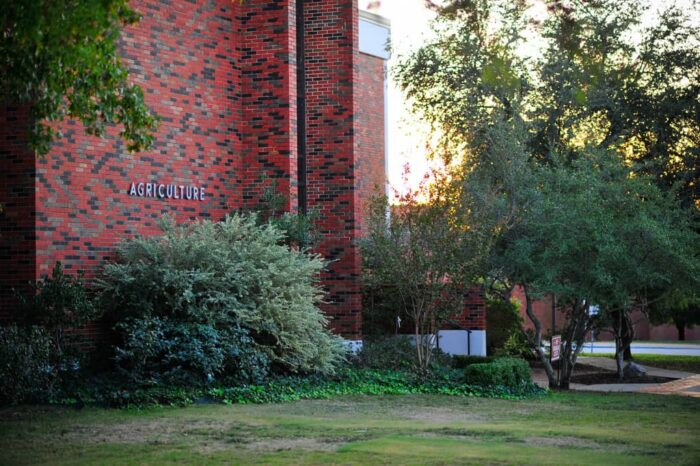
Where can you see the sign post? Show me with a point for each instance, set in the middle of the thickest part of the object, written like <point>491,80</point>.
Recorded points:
<point>555,348</point>
<point>555,351</point>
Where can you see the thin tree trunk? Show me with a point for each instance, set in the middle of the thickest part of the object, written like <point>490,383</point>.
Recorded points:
<point>536,345</point>
<point>574,336</point>
<point>619,345</point>
<point>419,356</point>
<point>627,334</point>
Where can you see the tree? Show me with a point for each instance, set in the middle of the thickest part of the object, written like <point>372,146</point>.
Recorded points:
<point>62,59</point>
<point>597,236</point>
<point>427,261</point>
<point>555,147</point>
<point>608,80</point>
<point>678,307</point>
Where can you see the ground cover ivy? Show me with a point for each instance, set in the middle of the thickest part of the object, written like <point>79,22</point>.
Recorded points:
<point>115,392</point>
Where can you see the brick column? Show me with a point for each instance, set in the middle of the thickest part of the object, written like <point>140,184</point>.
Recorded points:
<point>331,41</point>
<point>17,199</point>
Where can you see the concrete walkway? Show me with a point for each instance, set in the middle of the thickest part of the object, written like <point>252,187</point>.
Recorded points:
<point>687,383</point>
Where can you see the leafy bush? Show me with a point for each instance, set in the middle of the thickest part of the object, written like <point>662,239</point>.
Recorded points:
<point>388,352</point>
<point>506,372</point>
<point>516,346</point>
<point>26,369</point>
<point>300,228</point>
<point>58,303</point>
<point>212,277</point>
<point>503,320</point>
<point>160,350</point>
<point>381,306</point>
<point>460,362</point>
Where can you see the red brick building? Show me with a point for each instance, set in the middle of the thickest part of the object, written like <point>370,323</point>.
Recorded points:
<point>249,92</point>
<point>290,92</point>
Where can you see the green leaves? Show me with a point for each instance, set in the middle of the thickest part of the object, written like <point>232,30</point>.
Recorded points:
<point>62,57</point>
<point>58,302</point>
<point>226,274</point>
<point>116,393</point>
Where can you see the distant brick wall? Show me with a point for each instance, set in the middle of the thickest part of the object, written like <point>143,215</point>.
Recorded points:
<point>542,308</point>
<point>473,316</point>
<point>369,111</point>
<point>645,330</point>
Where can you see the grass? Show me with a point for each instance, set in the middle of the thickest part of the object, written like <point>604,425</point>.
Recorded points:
<point>662,361</point>
<point>673,342</point>
<point>564,428</point>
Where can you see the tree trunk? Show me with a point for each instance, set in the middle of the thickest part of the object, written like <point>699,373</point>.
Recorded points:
<point>419,354</point>
<point>623,329</point>
<point>627,336</point>
<point>680,326</point>
<point>574,335</point>
<point>619,361</point>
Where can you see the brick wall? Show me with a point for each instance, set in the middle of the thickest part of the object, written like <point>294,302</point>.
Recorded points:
<point>222,76</point>
<point>265,60</point>
<point>542,309</point>
<point>179,54</point>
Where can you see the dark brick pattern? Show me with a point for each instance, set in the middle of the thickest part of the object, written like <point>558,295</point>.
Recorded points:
<point>473,316</point>
<point>264,57</point>
<point>369,113</point>
<point>17,197</point>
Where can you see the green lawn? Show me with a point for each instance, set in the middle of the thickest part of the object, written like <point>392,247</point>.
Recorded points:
<point>663,361</point>
<point>564,428</point>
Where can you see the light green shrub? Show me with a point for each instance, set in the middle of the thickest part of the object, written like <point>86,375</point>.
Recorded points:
<point>233,273</point>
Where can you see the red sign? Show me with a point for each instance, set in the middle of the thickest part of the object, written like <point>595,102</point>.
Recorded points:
<point>555,348</point>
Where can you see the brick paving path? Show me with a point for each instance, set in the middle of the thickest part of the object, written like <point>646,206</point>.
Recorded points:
<point>689,386</point>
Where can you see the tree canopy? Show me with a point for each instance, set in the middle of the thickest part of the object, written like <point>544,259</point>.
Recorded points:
<point>62,58</point>
<point>590,73</point>
<point>586,151</point>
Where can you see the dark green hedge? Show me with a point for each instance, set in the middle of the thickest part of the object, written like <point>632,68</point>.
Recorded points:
<point>501,372</point>
<point>461,362</point>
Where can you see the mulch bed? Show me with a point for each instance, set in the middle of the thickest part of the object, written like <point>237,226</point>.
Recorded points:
<point>593,378</point>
